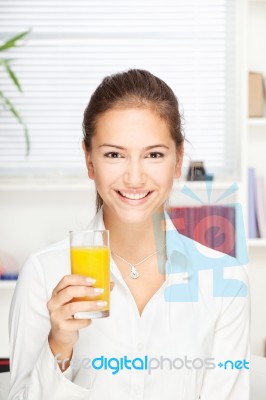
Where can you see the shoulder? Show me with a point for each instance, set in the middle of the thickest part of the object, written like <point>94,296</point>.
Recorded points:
<point>43,269</point>
<point>53,251</point>
<point>226,275</point>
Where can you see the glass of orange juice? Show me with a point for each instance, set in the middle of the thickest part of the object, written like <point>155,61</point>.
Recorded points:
<point>90,256</point>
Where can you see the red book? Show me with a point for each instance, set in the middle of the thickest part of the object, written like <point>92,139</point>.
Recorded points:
<point>4,365</point>
<point>212,226</point>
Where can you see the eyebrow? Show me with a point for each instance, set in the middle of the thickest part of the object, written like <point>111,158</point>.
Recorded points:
<point>123,148</point>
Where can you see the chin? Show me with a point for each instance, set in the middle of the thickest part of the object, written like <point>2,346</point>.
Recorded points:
<point>136,216</point>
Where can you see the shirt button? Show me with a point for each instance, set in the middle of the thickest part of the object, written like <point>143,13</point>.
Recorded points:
<point>140,346</point>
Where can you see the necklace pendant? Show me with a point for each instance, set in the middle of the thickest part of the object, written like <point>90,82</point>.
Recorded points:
<point>134,273</point>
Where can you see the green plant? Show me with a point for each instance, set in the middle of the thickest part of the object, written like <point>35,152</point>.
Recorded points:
<point>4,100</point>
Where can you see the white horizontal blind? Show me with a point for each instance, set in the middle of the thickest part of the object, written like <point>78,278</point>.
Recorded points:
<point>74,44</point>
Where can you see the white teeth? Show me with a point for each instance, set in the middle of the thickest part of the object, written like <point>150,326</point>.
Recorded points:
<point>134,196</point>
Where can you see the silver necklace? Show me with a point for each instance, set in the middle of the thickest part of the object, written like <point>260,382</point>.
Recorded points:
<point>134,273</point>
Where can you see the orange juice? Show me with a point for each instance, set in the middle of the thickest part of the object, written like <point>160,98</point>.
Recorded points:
<point>94,263</point>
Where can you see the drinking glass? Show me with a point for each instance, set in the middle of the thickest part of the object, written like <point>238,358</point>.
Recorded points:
<point>90,256</point>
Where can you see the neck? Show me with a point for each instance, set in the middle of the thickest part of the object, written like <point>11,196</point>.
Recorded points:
<point>133,241</point>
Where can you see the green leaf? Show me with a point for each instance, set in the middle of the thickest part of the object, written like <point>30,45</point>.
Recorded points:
<point>11,74</point>
<point>15,113</point>
<point>12,42</point>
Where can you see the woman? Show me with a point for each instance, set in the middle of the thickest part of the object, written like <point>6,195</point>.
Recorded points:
<point>167,332</point>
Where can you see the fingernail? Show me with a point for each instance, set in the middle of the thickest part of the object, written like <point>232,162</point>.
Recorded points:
<point>101,303</point>
<point>90,281</point>
<point>98,290</point>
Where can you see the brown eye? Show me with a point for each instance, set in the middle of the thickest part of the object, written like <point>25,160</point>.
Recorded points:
<point>156,154</point>
<point>112,154</point>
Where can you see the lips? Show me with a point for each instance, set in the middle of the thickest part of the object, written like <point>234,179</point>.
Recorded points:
<point>135,195</point>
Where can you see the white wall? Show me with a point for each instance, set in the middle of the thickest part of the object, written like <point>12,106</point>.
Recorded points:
<point>256,147</point>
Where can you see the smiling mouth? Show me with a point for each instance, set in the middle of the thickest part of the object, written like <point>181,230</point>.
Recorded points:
<point>133,196</point>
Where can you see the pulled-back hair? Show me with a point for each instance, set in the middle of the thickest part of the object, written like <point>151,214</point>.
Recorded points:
<point>135,88</point>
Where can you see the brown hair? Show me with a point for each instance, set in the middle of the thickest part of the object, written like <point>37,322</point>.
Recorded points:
<point>135,88</point>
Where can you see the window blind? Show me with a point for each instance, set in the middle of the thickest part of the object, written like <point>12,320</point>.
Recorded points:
<point>74,44</point>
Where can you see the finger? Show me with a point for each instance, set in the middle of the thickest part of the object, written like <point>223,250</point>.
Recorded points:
<point>73,280</point>
<point>70,292</point>
<point>72,325</point>
<point>112,284</point>
<point>68,310</point>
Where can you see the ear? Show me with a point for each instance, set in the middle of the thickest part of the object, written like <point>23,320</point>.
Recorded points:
<point>88,161</point>
<point>179,161</point>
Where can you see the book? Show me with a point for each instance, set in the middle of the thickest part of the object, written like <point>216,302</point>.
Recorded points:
<point>8,266</point>
<point>256,94</point>
<point>212,226</point>
<point>261,205</point>
<point>252,212</point>
<point>4,365</point>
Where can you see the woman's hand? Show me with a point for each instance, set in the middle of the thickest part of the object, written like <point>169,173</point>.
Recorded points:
<point>64,328</point>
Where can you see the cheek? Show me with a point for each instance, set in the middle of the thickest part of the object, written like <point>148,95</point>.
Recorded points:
<point>163,172</point>
<point>106,173</point>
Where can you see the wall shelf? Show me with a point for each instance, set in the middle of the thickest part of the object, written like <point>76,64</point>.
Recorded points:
<point>257,242</point>
<point>257,1</point>
<point>8,284</point>
<point>257,122</point>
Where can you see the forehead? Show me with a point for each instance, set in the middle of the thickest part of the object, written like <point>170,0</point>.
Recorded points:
<point>135,124</point>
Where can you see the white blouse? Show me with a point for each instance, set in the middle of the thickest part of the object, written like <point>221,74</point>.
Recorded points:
<point>199,318</point>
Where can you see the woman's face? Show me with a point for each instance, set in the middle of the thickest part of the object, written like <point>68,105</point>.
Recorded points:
<point>133,161</point>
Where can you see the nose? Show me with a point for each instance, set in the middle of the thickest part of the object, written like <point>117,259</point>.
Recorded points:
<point>134,175</point>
